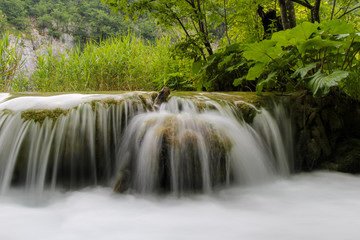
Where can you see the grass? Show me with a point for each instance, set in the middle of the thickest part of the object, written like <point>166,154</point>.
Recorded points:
<point>121,63</point>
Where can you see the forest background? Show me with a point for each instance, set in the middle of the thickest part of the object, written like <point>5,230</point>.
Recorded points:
<point>213,45</point>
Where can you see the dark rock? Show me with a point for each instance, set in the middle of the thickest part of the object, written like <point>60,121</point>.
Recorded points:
<point>323,127</point>
<point>162,97</point>
<point>123,181</point>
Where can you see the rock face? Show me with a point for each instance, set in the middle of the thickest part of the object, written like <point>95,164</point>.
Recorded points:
<point>328,132</point>
<point>35,44</point>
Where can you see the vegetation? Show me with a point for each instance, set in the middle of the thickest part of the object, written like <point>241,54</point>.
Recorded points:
<point>84,19</point>
<point>209,45</point>
<point>126,63</point>
<point>10,62</point>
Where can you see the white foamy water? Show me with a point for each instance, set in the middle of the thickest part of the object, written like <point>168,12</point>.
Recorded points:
<point>308,206</point>
<point>64,101</point>
<point>4,96</point>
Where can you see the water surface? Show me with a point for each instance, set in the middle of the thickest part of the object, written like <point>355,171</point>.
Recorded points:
<point>317,206</point>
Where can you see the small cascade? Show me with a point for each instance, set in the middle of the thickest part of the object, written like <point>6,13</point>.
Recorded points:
<point>190,144</point>
<point>75,150</point>
<point>183,148</point>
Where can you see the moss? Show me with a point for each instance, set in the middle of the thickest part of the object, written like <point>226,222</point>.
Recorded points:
<point>40,115</point>
<point>153,96</point>
<point>105,102</point>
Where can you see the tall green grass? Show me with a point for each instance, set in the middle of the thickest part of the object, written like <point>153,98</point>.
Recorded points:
<point>121,63</point>
<point>11,61</point>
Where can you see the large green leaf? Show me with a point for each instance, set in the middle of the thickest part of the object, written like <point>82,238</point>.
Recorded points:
<point>303,31</point>
<point>238,81</point>
<point>268,83</point>
<point>316,43</point>
<point>255,71</point>
<point>264,51</point>
<point>335,27</point>
<point>320,83</point>
<point>304,70</point>
<point>283,38</point>
<point>197,66</point>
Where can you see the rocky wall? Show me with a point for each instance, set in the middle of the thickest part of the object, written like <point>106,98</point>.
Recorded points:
<point>327,132</point>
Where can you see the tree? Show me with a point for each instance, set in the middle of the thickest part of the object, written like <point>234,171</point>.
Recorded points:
<point>191,16</point>
<point>287,14</point>
<point>314,9</point>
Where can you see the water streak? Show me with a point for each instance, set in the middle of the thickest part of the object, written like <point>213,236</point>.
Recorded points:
<point>187,145</point>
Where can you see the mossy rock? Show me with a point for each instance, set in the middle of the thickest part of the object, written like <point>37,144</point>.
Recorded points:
<point>347,156</point>
<point>40,115</point>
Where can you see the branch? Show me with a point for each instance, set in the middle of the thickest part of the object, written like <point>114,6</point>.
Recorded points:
<point>333,10</point>
<point>305,4</point>
<point>349,11</point>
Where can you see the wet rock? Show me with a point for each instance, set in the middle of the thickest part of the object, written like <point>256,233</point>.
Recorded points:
<point>162,97</point>
<point>321,125</point>
<point>123,181</point>
<point>347,156</point>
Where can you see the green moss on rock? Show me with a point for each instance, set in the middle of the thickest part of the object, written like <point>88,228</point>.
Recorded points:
<point>40,115</point>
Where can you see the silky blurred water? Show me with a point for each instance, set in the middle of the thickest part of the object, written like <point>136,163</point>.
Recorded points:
<point>317,205</point>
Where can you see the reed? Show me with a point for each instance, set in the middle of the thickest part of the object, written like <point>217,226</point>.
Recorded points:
<point>119,63</point>
<point>10,64</point>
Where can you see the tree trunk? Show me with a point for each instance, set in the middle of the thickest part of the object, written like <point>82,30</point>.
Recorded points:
<point>315,12</point>
<point>287,11</point>
<point>284,19</point>
<point>291,13</point>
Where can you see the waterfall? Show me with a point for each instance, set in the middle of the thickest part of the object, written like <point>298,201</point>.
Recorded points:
<point>191,144</point>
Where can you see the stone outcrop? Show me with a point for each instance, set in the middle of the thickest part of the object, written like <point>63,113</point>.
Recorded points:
<point>38,43</point>
<point>327,132</point>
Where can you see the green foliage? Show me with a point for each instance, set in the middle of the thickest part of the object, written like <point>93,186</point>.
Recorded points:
<point>122,63</point>
<point>319,56</point>
<point>193,18</point>
<point>10,62</point>
<point>320,83</point>
<point>3,22</point>
<point>15,12</point>
<point>85,19</point>
<point>222,69</point>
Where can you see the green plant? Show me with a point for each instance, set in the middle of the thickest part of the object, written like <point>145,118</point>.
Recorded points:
<point>121,63</point>
<point>318,56</point>
<point>222,69</point>
<point>10,61</point>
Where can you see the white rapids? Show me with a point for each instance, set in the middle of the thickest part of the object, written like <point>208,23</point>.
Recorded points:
<point>192,169</point>
<point>307,206</point>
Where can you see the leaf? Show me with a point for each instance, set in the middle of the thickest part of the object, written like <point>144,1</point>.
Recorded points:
<point>227,59</point>
<point>264,51</point>
<point>238,81</point>
<point>335,27</point>
<point>303,31</point>
<point>255,71</point>
<point>282,38</point>
<point>196,67</point>
<point>234,67</point>
<point>320,83</point>
<point>268,83</point>
<point>304,70</point>
<point>233,47</point>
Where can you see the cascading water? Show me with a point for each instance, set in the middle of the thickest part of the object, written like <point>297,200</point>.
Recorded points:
<point>89,144</point>
<point>182,148</point>
<point>185,146</point>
